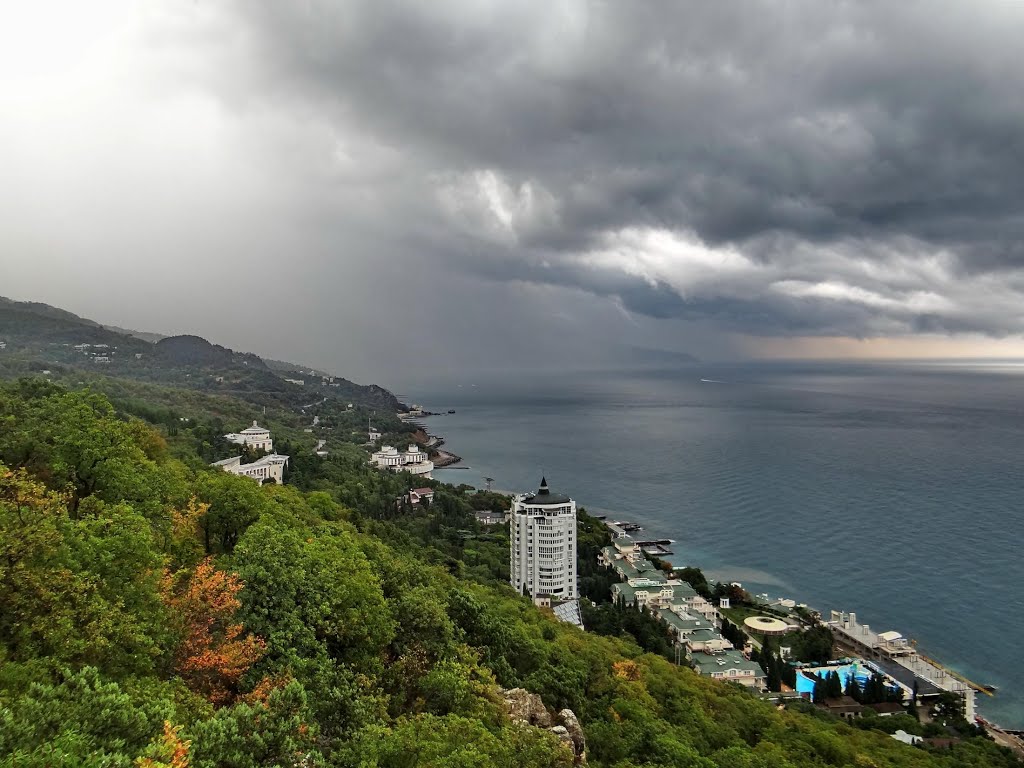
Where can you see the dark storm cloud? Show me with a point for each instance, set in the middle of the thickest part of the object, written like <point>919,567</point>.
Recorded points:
<point>829,146</point>
<point>769,168</point>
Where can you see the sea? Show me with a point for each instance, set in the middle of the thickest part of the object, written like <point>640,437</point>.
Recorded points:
<point>891,490</point>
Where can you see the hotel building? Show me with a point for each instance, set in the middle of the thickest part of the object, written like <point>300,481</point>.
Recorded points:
<point>543,544</point>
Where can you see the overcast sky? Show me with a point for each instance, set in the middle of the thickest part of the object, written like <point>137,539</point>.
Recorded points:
<point>368,186</point>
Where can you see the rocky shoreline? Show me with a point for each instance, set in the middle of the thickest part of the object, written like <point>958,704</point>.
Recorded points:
<point>445,459</point>
<point>433,444</point>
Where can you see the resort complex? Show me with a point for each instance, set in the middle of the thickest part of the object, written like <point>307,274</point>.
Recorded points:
<point>414,460</point>
<point>864,658</point>
<point>269,467</point>
<point>899,659</point>
<point>254,437</point>
<point>693,622</point>
<point>266,468</point>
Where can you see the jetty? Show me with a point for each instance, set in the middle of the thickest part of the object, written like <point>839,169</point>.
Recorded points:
<point>658,548</point>
<point>620,529</point>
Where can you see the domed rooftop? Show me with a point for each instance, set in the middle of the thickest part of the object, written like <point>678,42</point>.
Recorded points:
<point>544,496</point>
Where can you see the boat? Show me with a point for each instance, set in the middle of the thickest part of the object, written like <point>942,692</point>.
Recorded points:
<point>451,410</point>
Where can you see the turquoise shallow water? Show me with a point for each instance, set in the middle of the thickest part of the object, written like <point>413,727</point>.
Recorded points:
<point>893,491</point>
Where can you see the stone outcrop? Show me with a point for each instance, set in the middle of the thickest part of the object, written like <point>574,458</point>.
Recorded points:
<point>526,708</point>
<point>575,733</point>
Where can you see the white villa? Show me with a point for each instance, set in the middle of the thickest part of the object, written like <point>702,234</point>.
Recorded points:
<point>543,544</point>
<point>413,460</point>
<point>266,468</point>
<point>374,433</point>
<point>732,666</point>
<point>269,467</point>
<point>255,437</point>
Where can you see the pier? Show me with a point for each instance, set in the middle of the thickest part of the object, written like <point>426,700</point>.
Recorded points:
<point>656,548</point>
<point>620,529</point>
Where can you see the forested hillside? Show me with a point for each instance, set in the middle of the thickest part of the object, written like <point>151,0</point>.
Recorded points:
<point>39,338</point>
<point>157,612</point>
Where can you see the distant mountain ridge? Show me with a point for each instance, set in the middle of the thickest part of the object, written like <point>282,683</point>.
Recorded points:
<point>195,350</point>
<point>43,337</point>
<point>649,356</point>
<point>153,338</point>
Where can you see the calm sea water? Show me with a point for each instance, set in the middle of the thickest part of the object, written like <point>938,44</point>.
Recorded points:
<point>893,491</point>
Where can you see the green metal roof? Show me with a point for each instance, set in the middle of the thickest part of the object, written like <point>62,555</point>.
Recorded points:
<point>708,663</point>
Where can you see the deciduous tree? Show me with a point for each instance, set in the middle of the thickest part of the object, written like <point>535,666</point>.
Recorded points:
<point>214,651</point>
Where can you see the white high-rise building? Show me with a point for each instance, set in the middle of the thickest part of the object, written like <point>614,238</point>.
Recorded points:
<point>543,544</point>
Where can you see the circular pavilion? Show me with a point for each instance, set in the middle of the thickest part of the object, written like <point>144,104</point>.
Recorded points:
<point>765,625</point>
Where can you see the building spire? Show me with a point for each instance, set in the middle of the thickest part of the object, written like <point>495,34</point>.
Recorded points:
<point>543,487</point>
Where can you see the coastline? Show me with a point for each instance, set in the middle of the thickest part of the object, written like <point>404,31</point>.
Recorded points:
<point>445,459</point>
<point>1004,733</point>
<point>433,443</point>
<point>1010,737</point>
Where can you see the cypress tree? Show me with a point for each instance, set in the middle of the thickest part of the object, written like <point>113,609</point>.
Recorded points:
<point>819,693</point>
<point>853,689</point>
<point>834,686</point>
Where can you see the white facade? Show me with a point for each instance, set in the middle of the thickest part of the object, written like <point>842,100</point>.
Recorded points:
<point>255,437</point>
<point>375,435</point>
<point>270,467</point>
<point>413,460</point>
<point>415,455</point>
<point>543,544</point>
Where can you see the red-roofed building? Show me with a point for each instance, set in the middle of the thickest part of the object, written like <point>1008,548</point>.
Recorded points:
<point>416,495</point>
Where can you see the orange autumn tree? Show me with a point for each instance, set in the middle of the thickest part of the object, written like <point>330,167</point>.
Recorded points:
<point>214,651</point>
<point>169,750</point>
